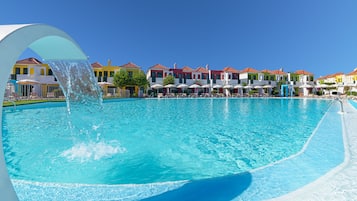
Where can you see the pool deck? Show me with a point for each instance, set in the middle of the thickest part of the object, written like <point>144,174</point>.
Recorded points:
<point>340,183</point>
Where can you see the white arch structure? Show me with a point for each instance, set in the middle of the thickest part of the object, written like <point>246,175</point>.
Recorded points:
<point>49,43</point>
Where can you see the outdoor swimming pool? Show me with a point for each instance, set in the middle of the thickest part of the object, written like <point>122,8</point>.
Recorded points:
<point>137,141</point>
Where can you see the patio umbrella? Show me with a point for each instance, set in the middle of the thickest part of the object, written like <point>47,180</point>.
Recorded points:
<point>238,86</point>
<point>217,86</point>
<point>28,83</point>
<point>206,86</point>
<point>228,86</point>
<point>305,86</point>
<point>170,86</point>
<point>182,86</point>
<point>267,86</point>
<point>259,89</point>
<point>157,86</point>
<point>194,86</point>
<point>104,85</point>
<point>322,86</point>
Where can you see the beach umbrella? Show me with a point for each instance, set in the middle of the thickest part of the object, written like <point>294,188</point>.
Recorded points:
<point>28,83</point>
<point>305,86</point>
<point>206,86</point>
<point>238,86</point>
<point>104,83</point>
<point>170,86</point>
<point>322,86</point>
<point>248,87</point>
<point>182,86</point>
<point>195,86</point>
<point>217,86</point>
<point>157,86</point>
<point>267,86</point>
<point>227,86</point>
<point>258,87</point>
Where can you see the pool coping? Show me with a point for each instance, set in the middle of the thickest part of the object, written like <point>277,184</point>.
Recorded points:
<point>335,184</point>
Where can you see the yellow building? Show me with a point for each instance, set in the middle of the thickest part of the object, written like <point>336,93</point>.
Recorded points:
<point>31,77</point>
<point>132,69</point>
<point>105,75</point>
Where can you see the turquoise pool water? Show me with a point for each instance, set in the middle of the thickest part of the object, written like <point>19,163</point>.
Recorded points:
<point>141,141</point>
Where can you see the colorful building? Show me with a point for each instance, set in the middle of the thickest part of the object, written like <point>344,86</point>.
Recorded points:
<point>31,78</point>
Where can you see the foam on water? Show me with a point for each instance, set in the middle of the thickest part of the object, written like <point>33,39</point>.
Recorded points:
<point>85,152</point>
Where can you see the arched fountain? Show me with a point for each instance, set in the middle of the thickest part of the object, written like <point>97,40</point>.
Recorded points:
<point>48,42</point>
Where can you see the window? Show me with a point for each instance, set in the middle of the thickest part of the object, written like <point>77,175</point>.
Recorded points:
<point>159,74</point>
<point>17,70</point>
<point>111,73</point>
<point>95,73</point>
<point>130,74</point>
<point>26,71</point>
<point>100,74</point>
<point>50,72</point>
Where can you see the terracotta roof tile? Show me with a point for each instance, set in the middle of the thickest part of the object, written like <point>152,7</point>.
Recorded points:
<point>201,70</point>
<point>278,72</point>
<point>96,65</point>
<point>230,69</point>
<point>30,60</point>
<point>266,71</point>
<point>249,70</point>
<point>187,69</point>
<point>158,67</point>
<point>302,72</point>
<point>130,65</point>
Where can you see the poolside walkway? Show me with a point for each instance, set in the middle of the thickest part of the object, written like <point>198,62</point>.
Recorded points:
<point>340,183</point>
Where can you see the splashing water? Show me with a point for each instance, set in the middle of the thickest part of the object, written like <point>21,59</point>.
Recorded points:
<point>77,82</point>
<point>83,98</point>
<point>84,152</point>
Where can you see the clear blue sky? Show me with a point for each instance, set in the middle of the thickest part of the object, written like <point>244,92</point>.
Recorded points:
<point>319,36</point>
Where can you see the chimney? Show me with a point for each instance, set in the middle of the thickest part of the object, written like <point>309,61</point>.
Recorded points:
<point>207,67</point>
<point>175,65</point>
<point>109,62</point>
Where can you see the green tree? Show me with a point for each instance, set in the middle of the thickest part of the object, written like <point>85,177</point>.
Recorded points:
<point>169,80</point>
<point>121,78</point>
<point>140,79</point>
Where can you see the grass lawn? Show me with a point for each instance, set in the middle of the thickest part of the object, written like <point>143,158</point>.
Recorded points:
<point>23,102</point>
